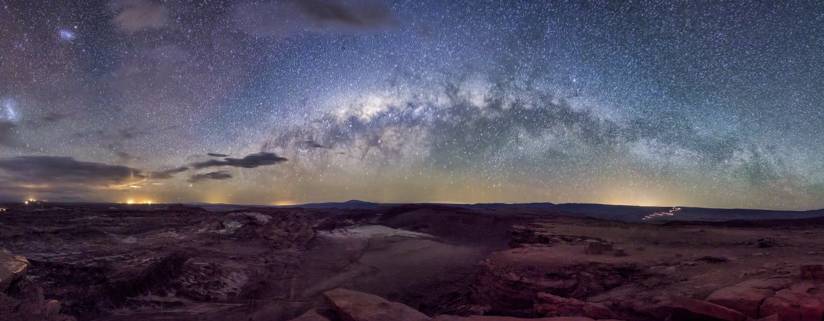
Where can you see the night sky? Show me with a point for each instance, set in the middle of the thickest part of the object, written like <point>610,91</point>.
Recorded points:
<point>697,103</point>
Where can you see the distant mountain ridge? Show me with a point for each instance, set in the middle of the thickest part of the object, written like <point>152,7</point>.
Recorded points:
<point>628,213</point>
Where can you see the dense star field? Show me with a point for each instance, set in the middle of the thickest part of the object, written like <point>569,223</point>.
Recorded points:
<point>274,102</point>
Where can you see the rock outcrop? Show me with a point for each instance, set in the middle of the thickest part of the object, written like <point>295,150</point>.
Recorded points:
<point>12,268</point>
<point>799,302</point>
<point>747,296</point>
<point>359,306</point>
<point>352,305</point>
<point>512,279</point>
<point>22,299</point>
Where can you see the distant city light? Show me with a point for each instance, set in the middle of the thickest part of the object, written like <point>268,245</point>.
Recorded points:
<point>132,201</point>
<point>284,203</point>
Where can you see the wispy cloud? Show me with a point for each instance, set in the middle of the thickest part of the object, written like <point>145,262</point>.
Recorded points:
<point>250,161</point>
<point>169,173</point>
<point>67,171</point>
<point>281,19</point>
<point>138,15</point>
<point>217,175</point>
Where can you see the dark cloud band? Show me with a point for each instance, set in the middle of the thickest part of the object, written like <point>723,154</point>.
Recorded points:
<point>217,175</point>
<point>250,161</point>
<point>66,170</point>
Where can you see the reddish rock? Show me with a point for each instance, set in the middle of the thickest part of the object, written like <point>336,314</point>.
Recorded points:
<point>681,308</point>
<point>746,296</point>
<point>359,306</point>
<point>553,305</point>
<point>52,308</point>
<point>510,280</point>
<point>797,303</point>
<point>12,268</point>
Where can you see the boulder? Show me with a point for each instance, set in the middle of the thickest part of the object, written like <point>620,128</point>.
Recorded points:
<point>359,306</point>
<point>797,303</point>
<point>12,268</point>
<point>746,297</point>
<point>556,306</point>
<point>52,308</point>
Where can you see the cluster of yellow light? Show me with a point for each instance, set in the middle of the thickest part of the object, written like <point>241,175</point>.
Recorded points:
<point>132,201</point>
<point>29,201</point>
<point>284,203</point>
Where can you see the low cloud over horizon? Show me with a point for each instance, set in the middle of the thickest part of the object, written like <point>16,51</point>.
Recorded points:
<point>65,178</point>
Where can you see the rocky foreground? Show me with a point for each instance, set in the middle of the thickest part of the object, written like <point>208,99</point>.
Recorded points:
<point>407,262</point>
